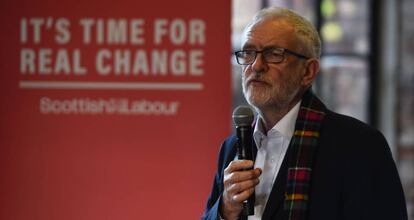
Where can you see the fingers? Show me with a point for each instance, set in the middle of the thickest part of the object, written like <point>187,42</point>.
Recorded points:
<point>236,165</point>
<point>240,176</point>
<point>239,171</point>
<point>242,190</point>
<point>239,182</point>
<point>242,196</point>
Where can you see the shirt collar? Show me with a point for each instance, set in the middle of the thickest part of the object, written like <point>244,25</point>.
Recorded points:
<point>284,127</point>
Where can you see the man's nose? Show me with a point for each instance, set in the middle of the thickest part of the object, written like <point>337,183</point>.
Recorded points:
<point>259,65</point>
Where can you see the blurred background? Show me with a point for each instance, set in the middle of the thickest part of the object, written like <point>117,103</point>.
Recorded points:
<point>367,68</point>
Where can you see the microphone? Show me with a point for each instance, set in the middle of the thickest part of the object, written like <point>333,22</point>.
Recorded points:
<point>243,118</point>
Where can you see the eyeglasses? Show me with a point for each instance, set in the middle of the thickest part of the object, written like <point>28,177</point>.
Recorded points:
<point>272,55</point>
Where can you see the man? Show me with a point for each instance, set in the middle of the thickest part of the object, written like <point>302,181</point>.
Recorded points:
<point>311,163</point>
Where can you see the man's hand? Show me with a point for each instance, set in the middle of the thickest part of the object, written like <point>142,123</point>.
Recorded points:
<point>239,182</point>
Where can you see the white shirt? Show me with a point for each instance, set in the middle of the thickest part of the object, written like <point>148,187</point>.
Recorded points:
<point>271,149</point>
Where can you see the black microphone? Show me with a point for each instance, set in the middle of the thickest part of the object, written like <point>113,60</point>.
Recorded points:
<point>243,118</point>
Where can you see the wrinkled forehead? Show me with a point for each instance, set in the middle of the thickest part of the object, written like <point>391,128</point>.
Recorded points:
<point>268,31</point>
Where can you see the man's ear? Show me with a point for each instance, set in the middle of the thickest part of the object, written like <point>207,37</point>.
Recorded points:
<point>311,71</point>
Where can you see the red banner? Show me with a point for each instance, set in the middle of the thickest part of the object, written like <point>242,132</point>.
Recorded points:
<point>111,109</point>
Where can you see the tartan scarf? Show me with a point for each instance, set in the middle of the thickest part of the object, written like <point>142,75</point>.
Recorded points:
<point>304,145</point>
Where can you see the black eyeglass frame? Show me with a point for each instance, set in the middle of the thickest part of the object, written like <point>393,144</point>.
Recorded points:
<point>283,50</point>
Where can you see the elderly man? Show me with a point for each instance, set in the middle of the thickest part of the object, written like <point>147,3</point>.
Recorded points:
<point>311,163</point>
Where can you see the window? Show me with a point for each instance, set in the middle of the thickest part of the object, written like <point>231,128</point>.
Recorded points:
<point>344,80</point>
<point>405,97</point>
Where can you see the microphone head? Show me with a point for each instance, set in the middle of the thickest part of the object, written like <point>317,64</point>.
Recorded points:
<point>243,116</point>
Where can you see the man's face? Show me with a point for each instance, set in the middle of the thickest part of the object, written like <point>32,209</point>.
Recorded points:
<point>268,84</point>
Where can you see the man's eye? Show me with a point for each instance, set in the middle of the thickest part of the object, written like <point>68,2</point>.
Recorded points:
<point>249,52</point>
<point>273,53</point>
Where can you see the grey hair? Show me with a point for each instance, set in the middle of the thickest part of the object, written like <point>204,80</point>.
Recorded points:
<point>304,29</point>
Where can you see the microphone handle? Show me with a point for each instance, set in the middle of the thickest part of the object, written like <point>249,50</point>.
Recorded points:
<point>245,152</point>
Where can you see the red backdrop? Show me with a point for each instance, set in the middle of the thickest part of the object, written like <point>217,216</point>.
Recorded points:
<point>111,109</point>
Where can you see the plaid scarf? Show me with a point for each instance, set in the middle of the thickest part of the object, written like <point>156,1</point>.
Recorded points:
<point>304,145</point>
